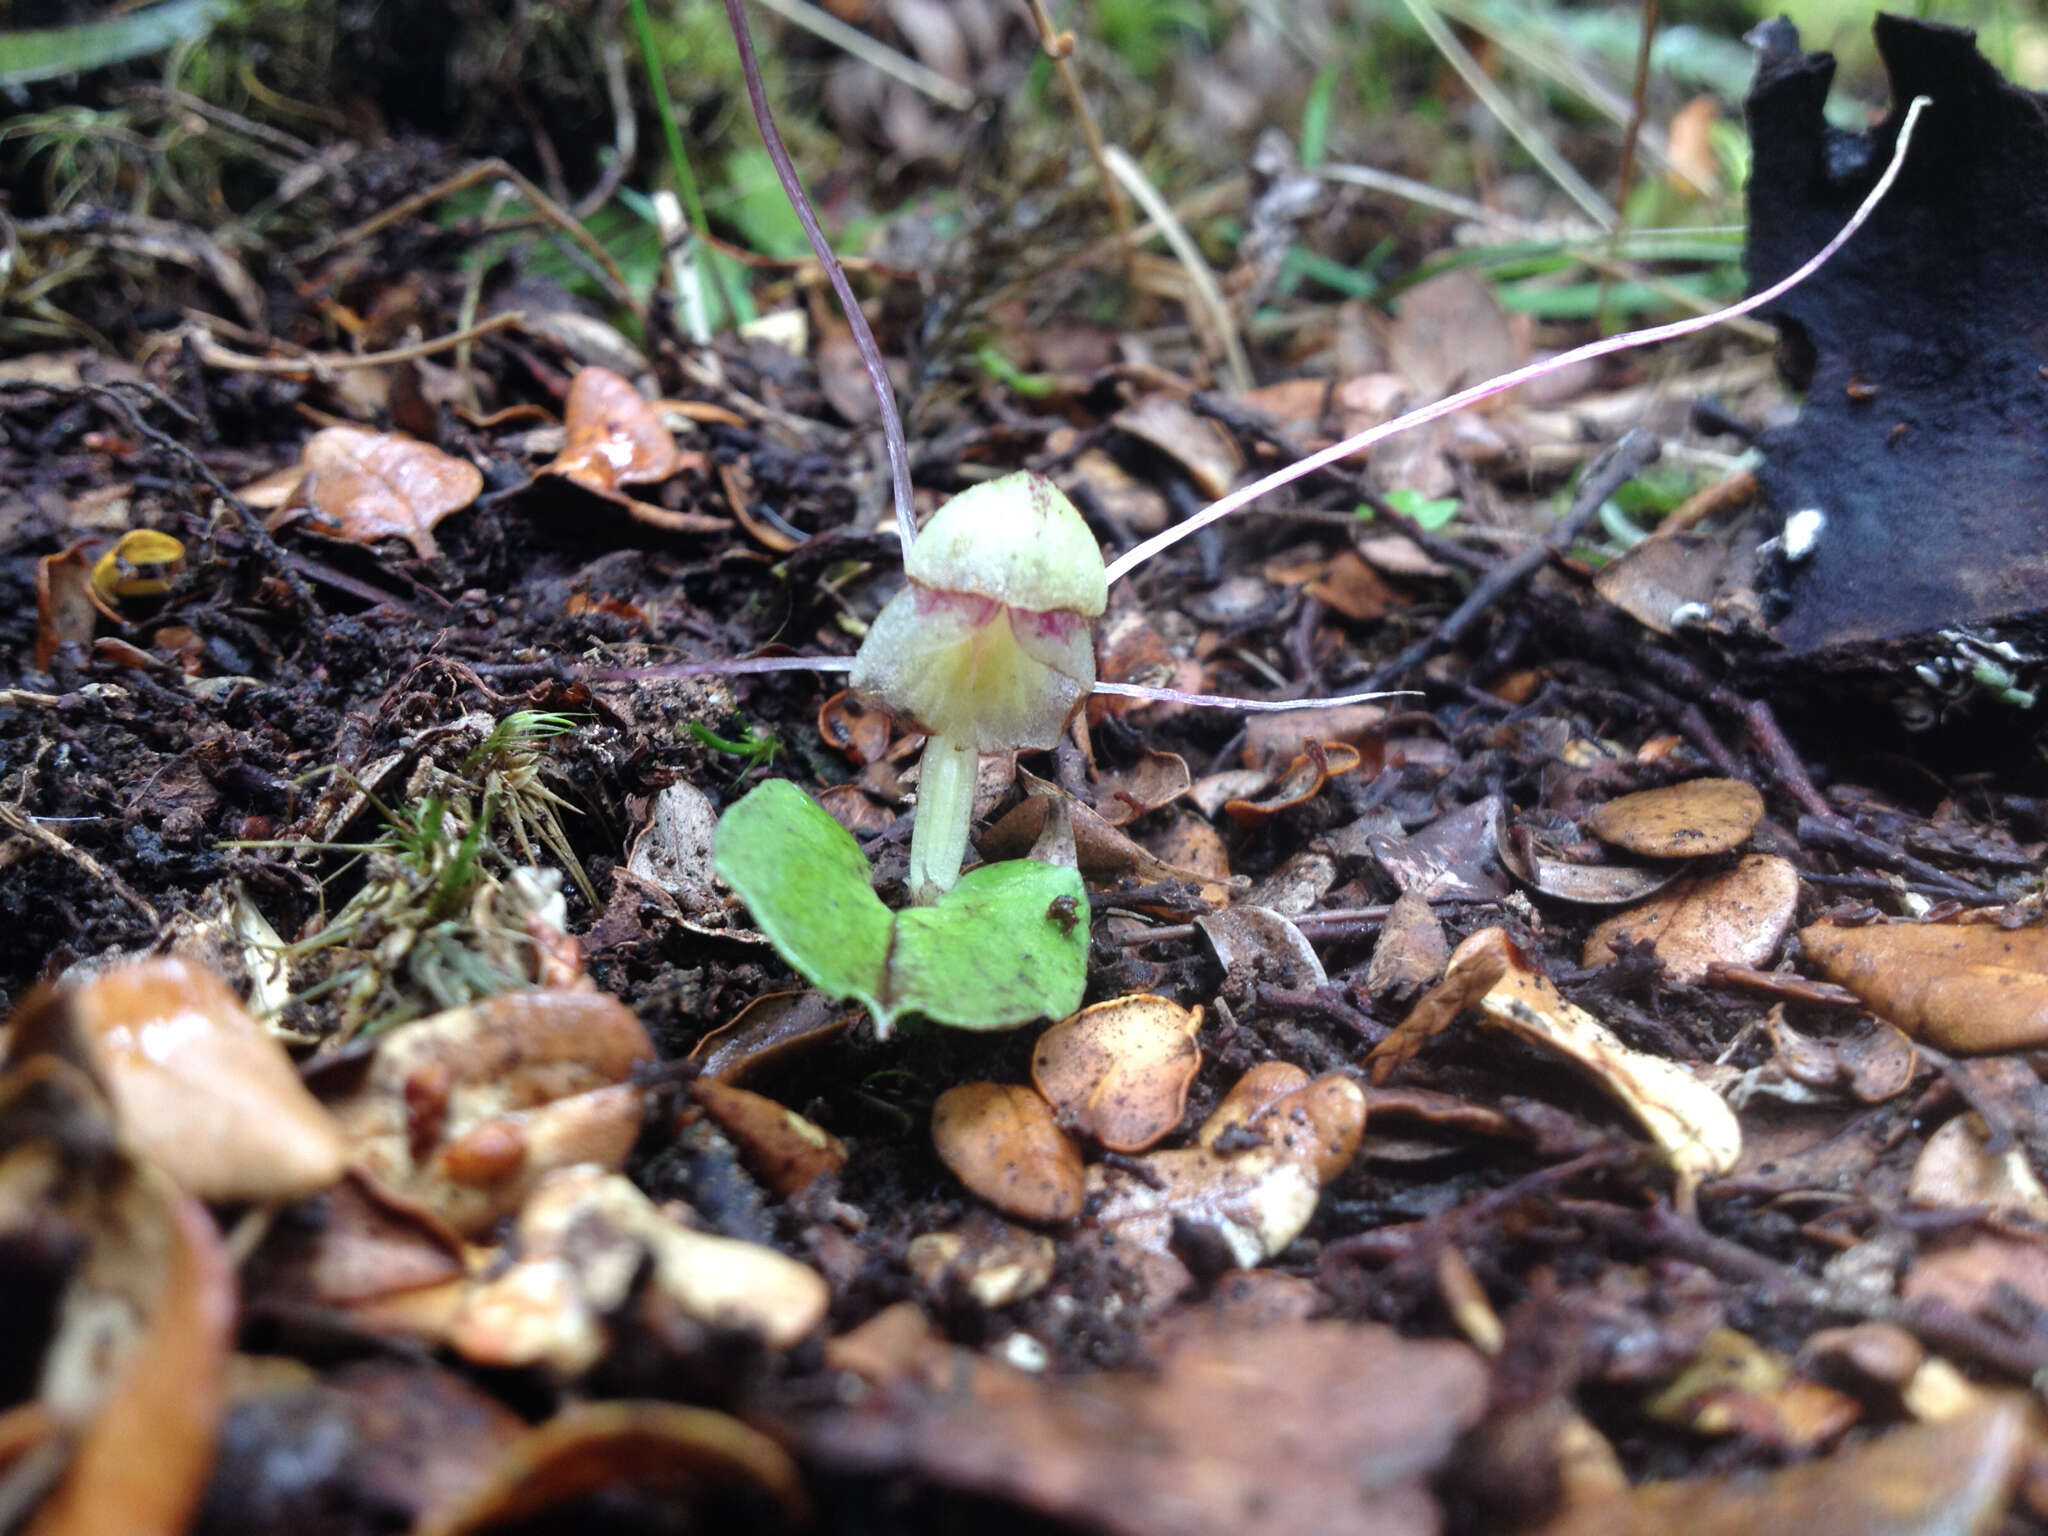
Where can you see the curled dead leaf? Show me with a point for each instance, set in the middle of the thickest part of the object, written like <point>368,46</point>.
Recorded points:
<point>612,436</point>
<point>1959,1169</point>
<point>1156,779</point>
<point>582,1239</point>
<point>65,611</point>
<point>1680,821</point>
<point>1003,1143</point>
<point>1249,1097</point>
<point>1251,1204</point>
<point>141,1465</point>
<point>203,1090</point>
<point>789,1152</point>
<point>1120,1071</point>
<point>1319,1124</point>
<point>363,486</point>
<point>695,1455</point>
<point>1302,782</point>
<point>546,1069</point>
<point>992,1261</point>
<point>1959,986</point>
<point>1691,1124</point>
<point>775,1028</point>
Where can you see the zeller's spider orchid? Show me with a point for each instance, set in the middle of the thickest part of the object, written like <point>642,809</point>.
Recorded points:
<point>989,647</point>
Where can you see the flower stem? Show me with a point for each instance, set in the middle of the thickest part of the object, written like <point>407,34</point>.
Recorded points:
<point>945,810</point>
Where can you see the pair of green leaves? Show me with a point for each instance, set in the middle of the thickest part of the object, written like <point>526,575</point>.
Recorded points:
<point>1007,945</point>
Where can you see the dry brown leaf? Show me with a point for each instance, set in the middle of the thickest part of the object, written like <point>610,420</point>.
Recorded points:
<point>1191,843</point>
<point>1119,1072</point>
<point>991,1261</point>
<point>1690,1123</point>
<point>1680,821</point>
<point>1273,739</point>
<point>1003,1143</point>
<point>1452,332</point>
<point>1958,986</point>
<point>1156,779</point>
<point>1970,1273</point>
<point>363,486</point>
<point>1734,1386</point>
<point>583,1238</point>
<point>1956,1476</point>
<point>1123,497</point>
<point>1410,952</point>
<point>1585,885</point>
<point>1301,783</point>
<point>1469,974</point>
<point>1104,852</point>
<point>1249,1097</point>
<point>366,1244</point>
<point>141,1466</point>
<point>1278,1430</point>
<point>1258,944</point>
<point>789,1152</point>
<point>1320,1124</point>
<point>673,850</point>
<point>65,611</point>
<point>1958,1170</point>
<point>691,1456</point>
<point>1197,444</point>
<point>202,1089</point>
<point>1736,917</point>
<point>1250,1204</point>
<point>613,436</point>
<point>464,1112</point>
<point>774,1029</point>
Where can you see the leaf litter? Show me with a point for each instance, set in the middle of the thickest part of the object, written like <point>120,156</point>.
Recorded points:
<point>794,1299</point>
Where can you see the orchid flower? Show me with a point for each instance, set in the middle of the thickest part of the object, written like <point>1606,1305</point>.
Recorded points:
<point>989,647</point>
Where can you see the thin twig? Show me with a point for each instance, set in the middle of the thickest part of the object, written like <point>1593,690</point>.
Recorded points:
<point>483,170</point>
<point>1059,47</point>
<point>1131,559</point>
<point>863,337</point>
<point>1631,136</point>
<point>1176,236</point>
<point>321,364</point>
<point>36,832</point>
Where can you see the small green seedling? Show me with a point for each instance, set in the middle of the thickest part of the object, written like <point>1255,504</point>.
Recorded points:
<point>989,647</point>
<point>999,949</point>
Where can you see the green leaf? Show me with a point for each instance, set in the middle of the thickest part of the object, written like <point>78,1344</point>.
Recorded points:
<point>1428,513</point>
<point>1315,116</point>
<point>1007,945</point>
<point>806,881</point>
<point>44,54</point>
